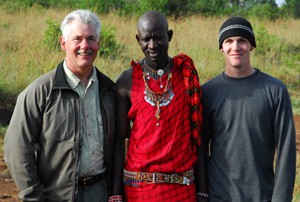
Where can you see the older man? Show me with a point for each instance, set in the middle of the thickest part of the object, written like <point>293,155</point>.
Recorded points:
<point>58,145</point>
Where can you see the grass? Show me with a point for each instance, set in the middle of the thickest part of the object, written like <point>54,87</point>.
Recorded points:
<point>2,133</point>
<point>24,57</point>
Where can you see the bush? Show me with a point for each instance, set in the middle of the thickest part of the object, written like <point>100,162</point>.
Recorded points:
<point>108,43</point>
<point>157,5</point>
<point>265,11</point>
<point>52,35</point>
<point>264,40</point>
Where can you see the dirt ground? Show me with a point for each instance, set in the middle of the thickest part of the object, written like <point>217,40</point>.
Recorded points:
<point>8,191</point>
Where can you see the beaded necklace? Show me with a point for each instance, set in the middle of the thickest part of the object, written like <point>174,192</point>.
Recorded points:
<point>159,98</point>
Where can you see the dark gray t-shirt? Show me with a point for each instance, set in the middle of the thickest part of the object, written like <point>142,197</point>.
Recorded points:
<point>247,120</point>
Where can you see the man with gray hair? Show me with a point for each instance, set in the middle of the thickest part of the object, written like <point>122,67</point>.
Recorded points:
<point>58,145</point>
<point>248,121</point>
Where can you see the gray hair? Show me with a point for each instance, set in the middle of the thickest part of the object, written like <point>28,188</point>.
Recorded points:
<point>84,17</point>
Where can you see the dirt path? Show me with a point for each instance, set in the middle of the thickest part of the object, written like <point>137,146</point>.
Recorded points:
<point>8,191</point>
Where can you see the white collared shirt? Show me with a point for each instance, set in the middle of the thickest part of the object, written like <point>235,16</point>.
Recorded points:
<point>91,156</point>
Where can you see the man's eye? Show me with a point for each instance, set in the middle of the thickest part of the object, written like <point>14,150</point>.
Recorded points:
<point>145,39</point>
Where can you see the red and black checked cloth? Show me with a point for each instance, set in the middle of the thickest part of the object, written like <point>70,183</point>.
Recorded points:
<point>168,148</point>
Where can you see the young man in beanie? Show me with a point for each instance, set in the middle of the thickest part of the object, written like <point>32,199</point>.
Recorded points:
<point>248,123</point>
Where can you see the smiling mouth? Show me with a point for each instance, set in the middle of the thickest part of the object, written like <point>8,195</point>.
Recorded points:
<point>84,53</point>
<point>236,55</point>
<point>153,53</point>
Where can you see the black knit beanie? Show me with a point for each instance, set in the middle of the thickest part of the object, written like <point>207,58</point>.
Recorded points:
<point>236,26</point>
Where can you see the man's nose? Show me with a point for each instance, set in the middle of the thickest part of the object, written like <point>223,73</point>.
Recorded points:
<point>152,43</point>
<point>84,44</point>
<point>235,45</point>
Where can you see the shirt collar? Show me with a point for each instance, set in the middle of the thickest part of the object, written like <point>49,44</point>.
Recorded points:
<point>73,80</point>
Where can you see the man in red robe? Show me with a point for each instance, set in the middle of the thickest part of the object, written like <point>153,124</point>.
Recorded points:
<point>159,109</point>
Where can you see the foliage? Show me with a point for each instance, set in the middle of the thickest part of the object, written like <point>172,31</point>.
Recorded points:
<point>51,36</point>
<point>208,8</point>
<point>264,40</point>
<point>158,5</point>
<point>26,55</point>
<point>178,8</point>
<point>108,44</point>
<point>2,131</point>
<point>280,53</point>
<point>265,11</point>
<point>292,7</point>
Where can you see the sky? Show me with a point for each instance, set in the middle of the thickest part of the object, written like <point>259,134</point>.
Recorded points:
<point>279,2</point>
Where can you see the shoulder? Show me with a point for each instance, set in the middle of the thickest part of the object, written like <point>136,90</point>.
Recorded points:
<point>183,56</point>
<point>270,79</point>
<point>42,82</point>
<point>212,88</point>
<point>125,76</point>
<point>212,83</point>
<point>183,59</point>
<point>123,83</point>
<point>105,79</point>
<point>37,92</point>
<point>270,84</point>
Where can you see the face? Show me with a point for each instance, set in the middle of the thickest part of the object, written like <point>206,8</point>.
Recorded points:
<point>153,38</point>
<point>81,45</point>
<point>236,51</point>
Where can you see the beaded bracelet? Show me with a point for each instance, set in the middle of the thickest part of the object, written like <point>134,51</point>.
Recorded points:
<point>203,194</point>
<point>115,198</point>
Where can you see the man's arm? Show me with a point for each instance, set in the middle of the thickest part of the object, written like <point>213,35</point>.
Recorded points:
<point>203,154</point>
<point>19,147</point>
<point>285,167</point>
<point>123,86</point>
<point>201,174</point>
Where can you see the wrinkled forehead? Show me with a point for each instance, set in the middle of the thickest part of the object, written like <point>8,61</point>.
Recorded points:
<point>78,28</point>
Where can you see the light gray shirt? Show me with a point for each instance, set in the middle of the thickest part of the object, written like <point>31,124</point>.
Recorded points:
<point>91,156</point>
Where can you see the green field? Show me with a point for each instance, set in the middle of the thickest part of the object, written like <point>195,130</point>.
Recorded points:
<point>25,56</point>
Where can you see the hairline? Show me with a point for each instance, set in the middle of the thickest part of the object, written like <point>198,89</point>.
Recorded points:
<point>82,16</point>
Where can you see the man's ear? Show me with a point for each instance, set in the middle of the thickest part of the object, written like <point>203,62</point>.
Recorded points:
<point>170,34</point>
<point>62,43</point>
<point>137,38</point>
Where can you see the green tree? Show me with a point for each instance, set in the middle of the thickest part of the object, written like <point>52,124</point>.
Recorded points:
<point>292,7</point>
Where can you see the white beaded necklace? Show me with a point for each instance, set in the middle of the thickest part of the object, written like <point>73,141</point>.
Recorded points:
<point>160,98</point>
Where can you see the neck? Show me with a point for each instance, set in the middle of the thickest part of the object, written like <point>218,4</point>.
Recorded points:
<point>157,65</point>
<point>83,74</point>
<point>239,72</point>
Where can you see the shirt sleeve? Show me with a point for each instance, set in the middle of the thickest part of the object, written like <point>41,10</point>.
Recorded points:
<point>20,147</point>
<point>285,140</point>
